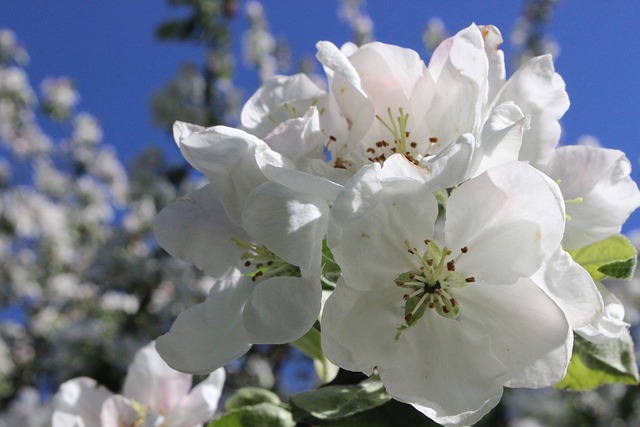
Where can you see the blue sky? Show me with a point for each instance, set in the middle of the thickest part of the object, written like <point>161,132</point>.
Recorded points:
<point>108,49</point>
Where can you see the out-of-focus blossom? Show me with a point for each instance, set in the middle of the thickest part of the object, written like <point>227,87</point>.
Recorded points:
<point>153,394</point>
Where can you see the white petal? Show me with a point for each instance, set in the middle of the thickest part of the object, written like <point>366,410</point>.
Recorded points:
<point>610,326</point>
<point>118,411</point>
<point>540,92</point>
<point>445,371</point>
<point>453,164</point>
<point>497,73</point>
<point>600,177</point>
<point>196,230</point>
<point>82,397</point>
<point>526,329</point>
<point>508,218</point>
<point>209,335</point>
<point>282,309</point>
<point>359,195</point>
<point>276,100</point>
<point>227,157</point>
<point>200,404</point>
<point>358,328</point>
<point>571,287</point>
<point>291,224</point>
<point>501,136</point>
<point>152,382</point>
<point>372,246</point>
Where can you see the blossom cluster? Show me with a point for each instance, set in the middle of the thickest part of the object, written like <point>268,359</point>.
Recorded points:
<point>424,215</point>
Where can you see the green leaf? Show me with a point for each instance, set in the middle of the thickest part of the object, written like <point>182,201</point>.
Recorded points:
<point>249,396</point>
<point>338,401</point>
<point>260,415</point>
<point>593,365</point>
<point>310,344</point>
<point>613,257</point>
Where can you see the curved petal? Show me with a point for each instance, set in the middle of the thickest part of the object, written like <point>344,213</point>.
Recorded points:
<point>282,309</point>
<point>610,326</point>
<point>525,328</point>
<point>603,193</point>
<point>453,164</point>
<point>118,411</point>
<point>227,156</point>
<point>291,224</point>
<point>152,382</point>
<point>80,397</point>
<point>196,230</point>
<point>276,100</point>
<point>540,92</point>
<point>358,328</point>
<point>359,195</point>
<point>512,206</point>
<point>445,371</point>
<point>200,404</point>
<point>211,334</point>
<point>571,287</point>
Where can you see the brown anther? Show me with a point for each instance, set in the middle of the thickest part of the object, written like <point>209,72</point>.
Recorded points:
<point>431,305</point>
<point>332,138</point>
<point>445,308</point>
<point>451,266</point>
<point>427,241</point>
<point>464,250</point>
<point>269,262</point>
<point>405,297</point>
<point>380,144</point>
<point>470,279</point>
<point>247,263</point>
<point>453,302</point>
<point>406,134</point>
<point>433,139</point>
<point>408,317</point>
<point>413,144</point>
<point>371,150</point>
<point>438,292</point>
<point>430,261</point>
<point>393,149</point>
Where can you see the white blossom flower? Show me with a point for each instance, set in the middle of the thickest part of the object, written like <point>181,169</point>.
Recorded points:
<point>153,395</point>
<point>450,313</point>
<point>261,295</point>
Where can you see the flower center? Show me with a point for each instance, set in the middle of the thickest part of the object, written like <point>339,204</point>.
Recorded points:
<point>430,284</point>
<point>402,142</point>
<point>263,263</point>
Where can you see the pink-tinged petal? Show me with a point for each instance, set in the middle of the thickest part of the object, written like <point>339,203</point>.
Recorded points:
<point>525,327</point>
<point>119,411</point>
<point>200,404</point>
<point>276,100</point>
<point>358,327</point>
<point>227,156</point>
<point>600,179</point>
<point>196,230</point>
<point>80,397</point>
<point>209,335</point>
<point>508,207</point>
<point>540,92</point>
<point>571,287</point>
<point>291,224</point>
<point>282,309</point>
<point>152,382</point>
<point>445,371</point>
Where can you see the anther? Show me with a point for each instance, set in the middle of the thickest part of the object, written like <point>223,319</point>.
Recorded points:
<point>470,279</point>
<point>464,250</point>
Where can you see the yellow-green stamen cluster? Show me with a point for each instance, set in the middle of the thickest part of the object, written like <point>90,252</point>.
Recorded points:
<point>263,263</point>
<point>429,285</point>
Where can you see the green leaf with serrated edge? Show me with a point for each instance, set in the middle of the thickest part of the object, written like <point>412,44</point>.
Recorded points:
<point>338,401</point>
<point>249,396</point>
<point>593,365</point>
<point>615,257</point>
<point>260,415</point>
